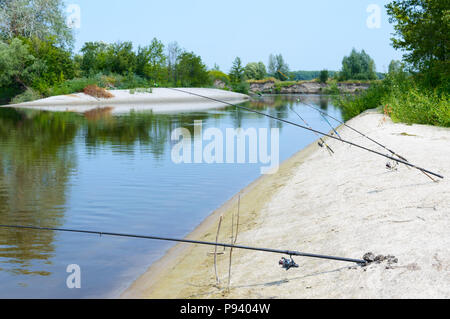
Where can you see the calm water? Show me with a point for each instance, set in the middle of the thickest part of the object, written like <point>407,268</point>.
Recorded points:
<point>115,173</point>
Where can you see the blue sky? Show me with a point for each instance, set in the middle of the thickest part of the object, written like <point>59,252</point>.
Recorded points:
<point>311,35</point>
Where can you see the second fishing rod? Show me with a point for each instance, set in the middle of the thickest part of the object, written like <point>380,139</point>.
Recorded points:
<point>311,130</point>
<point>325,114</point>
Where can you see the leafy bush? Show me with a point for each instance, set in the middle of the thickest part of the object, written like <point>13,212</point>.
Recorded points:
<point>358,66</point>
<point>419,106</point>
<point>141,90</point>
<point>72,86</point>
<point>219,75</point>
<point>332,88</point>
<point>240,87</point>
<point>353,105</point>
<point>323,77</point>
<point>403,98</point>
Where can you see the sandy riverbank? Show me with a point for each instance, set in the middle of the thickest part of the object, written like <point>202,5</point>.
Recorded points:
<point>161,100</point>
<point>345,205</point>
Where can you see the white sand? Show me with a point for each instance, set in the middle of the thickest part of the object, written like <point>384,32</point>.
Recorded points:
<point>345,205</point>
<point>161,100</point>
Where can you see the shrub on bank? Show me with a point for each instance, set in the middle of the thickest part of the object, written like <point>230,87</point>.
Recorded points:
<point>240,87</point>
<point>419,106</point>
<point>27,96</point>
<point>406,101</point>
<point>353,105</point>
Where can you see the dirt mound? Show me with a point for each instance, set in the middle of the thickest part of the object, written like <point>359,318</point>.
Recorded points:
<point>98,92</point>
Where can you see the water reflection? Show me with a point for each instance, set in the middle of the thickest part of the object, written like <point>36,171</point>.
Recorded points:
<point>36,158</point>
<point>45,157</point>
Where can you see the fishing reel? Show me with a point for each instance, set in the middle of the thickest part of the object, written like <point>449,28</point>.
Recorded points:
<point>392,165</point>
<point>287,263</point>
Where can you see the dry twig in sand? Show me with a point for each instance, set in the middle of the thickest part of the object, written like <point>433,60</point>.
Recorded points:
<point>215,251</point>
<point>233,239</point>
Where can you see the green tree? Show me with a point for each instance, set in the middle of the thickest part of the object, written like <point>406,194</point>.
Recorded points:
<point>278,68</point>
<point>94,58</point>
<point>121,58</point>
<point>18,67</point>
<point>56,63</point>
<point>237,71</point>
<point>395,67</point>
<point>323,77</point>
<point>173,53</point>
<point>358,66</point>
<point>255,71</point>
<point>191,72</point>
<point>422,29</point>
<point>151,62</point>
<point>43,19</point>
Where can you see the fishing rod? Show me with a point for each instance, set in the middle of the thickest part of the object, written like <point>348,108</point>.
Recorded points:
<point>312,130</point>
<point>324,114</point>
<point>326,120</point>
<point>287,264</point>
<point>322,141</point>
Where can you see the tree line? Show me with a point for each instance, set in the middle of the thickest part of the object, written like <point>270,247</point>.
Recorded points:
<point>37,59</point>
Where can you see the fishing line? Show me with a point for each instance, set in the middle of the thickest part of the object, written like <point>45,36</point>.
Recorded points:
<point>288,265</point>
<point>313,130</point>
<point>322,141</point>
<point>323,113</point>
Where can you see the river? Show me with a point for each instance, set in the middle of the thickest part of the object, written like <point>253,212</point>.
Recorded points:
<point>98,171</point>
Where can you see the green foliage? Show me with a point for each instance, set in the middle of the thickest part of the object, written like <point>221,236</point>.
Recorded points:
<point>72,86</point>
<point>18,67</point>
<point>237,71</point>
<point>240,87</point>
<point>27,96</point>
<point>191,72</point>
<point>43,19</point>
<point>56,64</point>
<point>422,30</point>
<point>141,90</point>
<point>332,88</point>
<point>358,66</point>
<point>323,77</point>
<point>112,81</point>
<point>94,58</point>
<point>419,106</point>
<point>151,62</point>
<point>99,57</point>
<point>404,100</point>
<point>255,71</point>
<point>219,75</point>
<point>121,58</point>
<point>353,105</point>
<point>278,68</point>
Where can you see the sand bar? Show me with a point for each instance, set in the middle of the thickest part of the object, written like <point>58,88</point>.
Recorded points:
<point>345,205</point>
<point>161,100</point>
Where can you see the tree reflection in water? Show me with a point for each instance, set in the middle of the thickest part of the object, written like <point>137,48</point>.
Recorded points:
<point>38,157</point>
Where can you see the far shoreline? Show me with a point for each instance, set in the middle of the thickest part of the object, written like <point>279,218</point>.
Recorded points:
<point>161,100</point>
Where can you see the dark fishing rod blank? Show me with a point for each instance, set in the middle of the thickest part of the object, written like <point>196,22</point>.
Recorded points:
<point>322,142</point>
<point>196,242</point>
<point>313,130</point>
